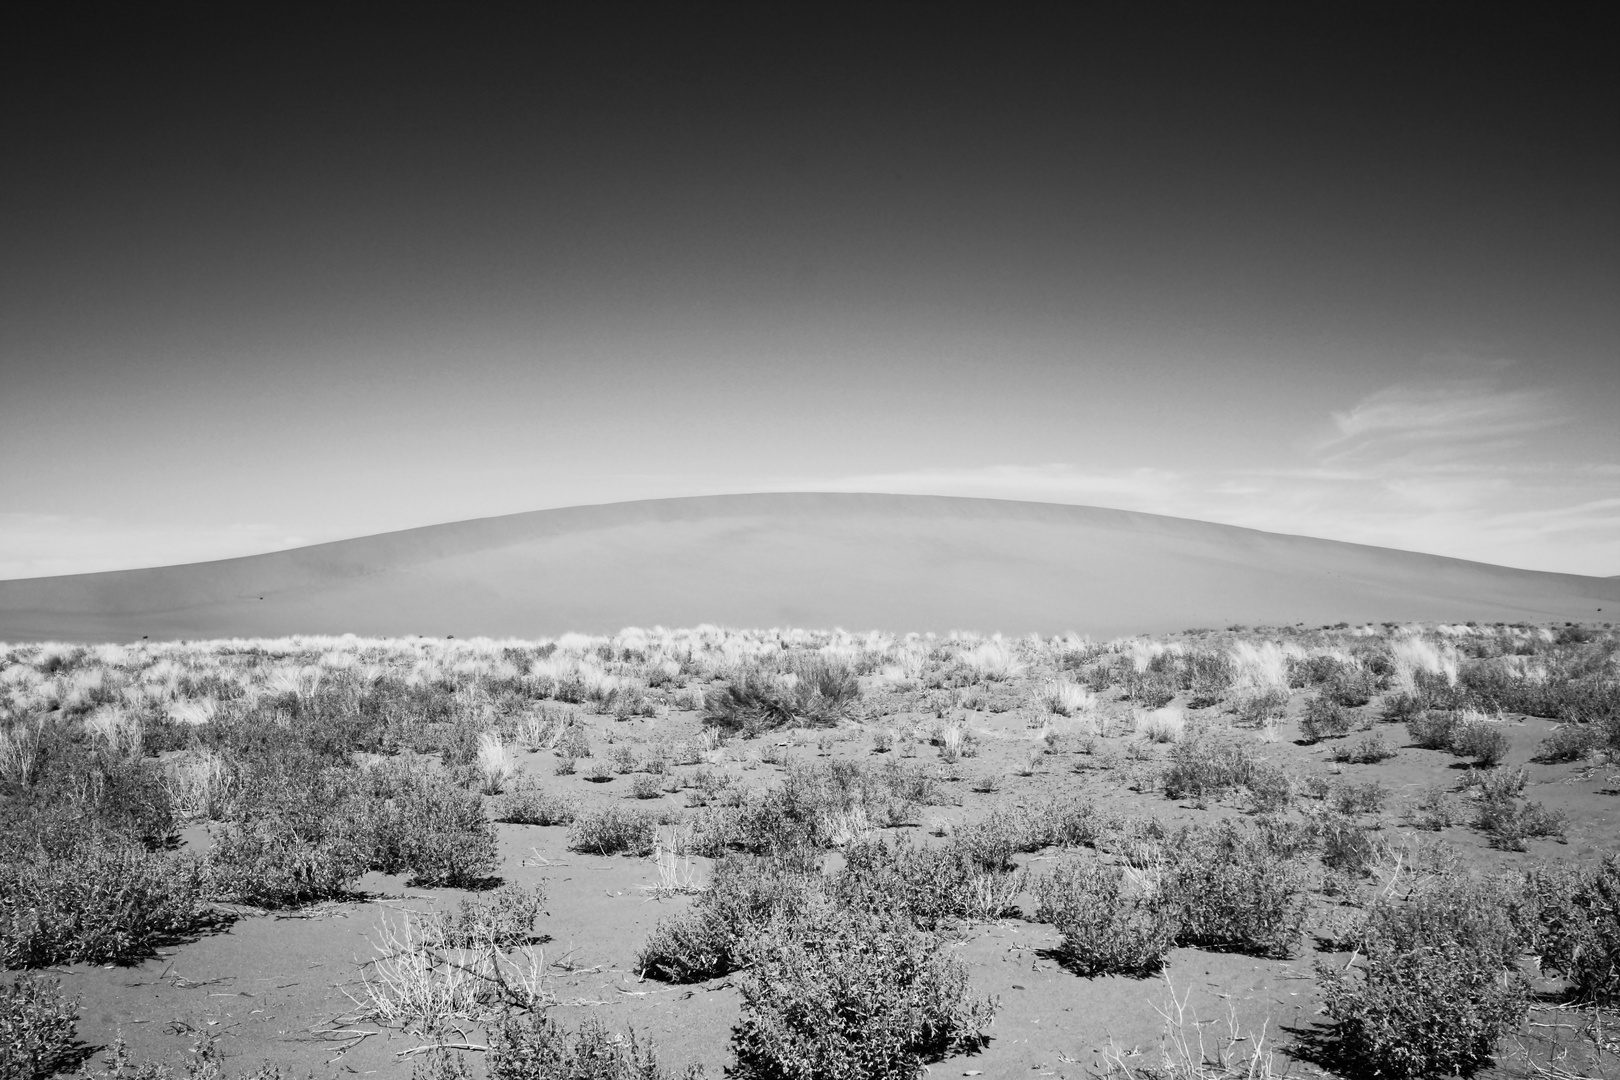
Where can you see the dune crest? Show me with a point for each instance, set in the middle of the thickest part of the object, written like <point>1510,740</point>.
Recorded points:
<point>897,562</point>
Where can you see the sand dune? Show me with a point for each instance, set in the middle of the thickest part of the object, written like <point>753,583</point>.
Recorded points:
<point>899,562</point>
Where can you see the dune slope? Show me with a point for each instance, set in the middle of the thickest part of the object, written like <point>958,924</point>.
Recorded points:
<point>897,562</point>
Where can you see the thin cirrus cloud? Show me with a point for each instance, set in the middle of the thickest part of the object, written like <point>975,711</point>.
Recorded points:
<point>1450,467</point>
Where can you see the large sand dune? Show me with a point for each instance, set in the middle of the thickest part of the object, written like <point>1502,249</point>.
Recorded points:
<point>899,562</point>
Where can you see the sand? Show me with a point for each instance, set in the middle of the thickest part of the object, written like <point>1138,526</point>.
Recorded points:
<point>897,562</point>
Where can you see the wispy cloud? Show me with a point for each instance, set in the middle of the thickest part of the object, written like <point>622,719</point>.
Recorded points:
<point>1436,464</point>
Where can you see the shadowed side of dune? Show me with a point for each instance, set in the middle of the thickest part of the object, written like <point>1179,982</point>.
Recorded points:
<point>898,562</point>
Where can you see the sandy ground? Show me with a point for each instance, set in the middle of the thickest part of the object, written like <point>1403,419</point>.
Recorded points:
<point>288,988</point>
<point>901,561</point>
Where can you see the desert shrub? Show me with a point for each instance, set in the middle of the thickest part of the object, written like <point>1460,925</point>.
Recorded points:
<point>1258,708</point>
<point>1575,929</point>
<point>1480,739</point>
<point>1347,846</point>
<point>926,885</point>
<point>852,996</point>
<point>93,898</point>
<point>1365,798</point>
<point>1435,988</point>
<point>1150,689</point>
<point>610,830</point>
<point>1432,729</point>
<point>646,786</point>
<point>1323,718</point>
<point>1350,687</point>
<point>822,692</point>
<point>1232,889</point>
<point>1401,708</point>
<point>1270,789</point>
<point>262,864</point>
<point>1433,809</point>
<point>433,828</point>
<point>1064,821</point>
<point>503,918</point>
<point>1109,924</point>
<point>1508,823</point>
<point>36,1028</point>
<point>1569,742</point>
<point>1202,768</point>
<point>532,806</point>
<point>533,1046</point>
<point>744,894</point>
<point>1368,750</point>
<point>1206,676</point>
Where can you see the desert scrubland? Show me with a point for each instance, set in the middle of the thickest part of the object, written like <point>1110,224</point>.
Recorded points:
<point>1352,850</point>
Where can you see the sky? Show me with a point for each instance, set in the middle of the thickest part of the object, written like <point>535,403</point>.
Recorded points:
<point>1342,270</point>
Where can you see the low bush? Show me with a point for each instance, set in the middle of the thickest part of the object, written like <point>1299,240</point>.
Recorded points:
<point>1575,929</point>
<point>1323,718</point>
<point>1508,823</point>
<point>533,1046</point>
<point>1348,846</point>
<point>611,830</point>
<point>1232,888</point>
<point>1483,740</point>
<point>532,806</point>
<point>706,940</point>
<point>1206,768</point>
<point>1365,798</point>
<point>94,898</point>
<point>1109,924</point>
<point>266,865</point>
<point>926,885</point>
<point>852,996</point>
<point>1569,742</point>
<point>1270,789</point>
<point>503,919</point>
<point>1436,987</point>
<point>1257,709</point>
<point>37,1029</point>
<point>1432,729</point>
<point>1368,750</point>
<point>423,822</point>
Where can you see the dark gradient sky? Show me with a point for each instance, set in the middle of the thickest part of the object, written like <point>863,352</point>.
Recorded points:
<point>1346,270</point>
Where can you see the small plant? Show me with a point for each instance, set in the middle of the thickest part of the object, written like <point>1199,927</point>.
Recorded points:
<point>1323,718</point>
<point>1205,768</point>
<point>1435,988</point>
<point>598,772</point>
<point>1433,809</point>
<point>433,969</point>
<point>1509,823</point>
<point>1270,789</point>
<point>1259,708</point>
<point>706,941</point>
<point>852,996</point>
<point>1432,729</point>
<point>1368,750</point>
<point>1110,924</point>
<point>610,830</point>
<point>533,1046</point>
<point>1569,742</point>
<point>496,765</point>
<point>95,900</point>
<point>531,806</point>
<point>36,1028</point>
<point>1232,888</point>
<point>624,759</point>
<point>882,741</point>
<point>644,786</point>
<point>1480,739</point>
<point>1162,725</point>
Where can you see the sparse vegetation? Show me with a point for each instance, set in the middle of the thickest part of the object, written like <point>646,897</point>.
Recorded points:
<point>142,788</point>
